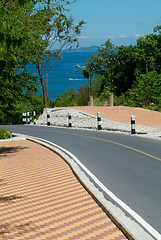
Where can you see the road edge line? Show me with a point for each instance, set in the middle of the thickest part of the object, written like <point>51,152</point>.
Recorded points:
<point>133,230</point>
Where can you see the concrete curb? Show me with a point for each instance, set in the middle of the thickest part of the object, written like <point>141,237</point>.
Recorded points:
<point>17,137</point>
<point>129,227</point>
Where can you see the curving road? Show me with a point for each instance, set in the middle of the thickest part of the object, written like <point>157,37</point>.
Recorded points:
<point>127,165</point>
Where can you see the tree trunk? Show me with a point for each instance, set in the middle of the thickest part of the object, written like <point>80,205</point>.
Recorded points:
<point>44,92</point>
<point>38,66</point>
<point>45,100</point>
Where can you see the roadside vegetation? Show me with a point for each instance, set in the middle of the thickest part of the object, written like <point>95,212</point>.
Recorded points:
<point>132,73</point>
<point>4,134</point>
<point>29,29</point>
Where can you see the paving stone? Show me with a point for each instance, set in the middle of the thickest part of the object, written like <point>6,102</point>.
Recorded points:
<point>42,199</point>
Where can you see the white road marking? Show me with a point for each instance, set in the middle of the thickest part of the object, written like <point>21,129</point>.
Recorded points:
<point>139,219</point>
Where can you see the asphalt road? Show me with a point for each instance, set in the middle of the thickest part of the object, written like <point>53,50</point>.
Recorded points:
<point>127,165</point>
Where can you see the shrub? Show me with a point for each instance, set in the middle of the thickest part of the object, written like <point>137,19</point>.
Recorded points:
<point>68,98</point>
<point>82,96</point>
<point>4,134</point>
<point>98,102</point>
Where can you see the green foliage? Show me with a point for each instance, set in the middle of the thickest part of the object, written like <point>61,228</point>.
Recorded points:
<point>98,102</point>
<point>57,28</point>
<point>18,39</point>
<point>82,96</point>
<point>29,102</point>
<point>69,98</point>
<point>124,68</point>
<point>73,98</point>
<point>112,68</point>
<point>100,67</point>
<point>28,31</point>
<point>146,90</point>
<point>4,134</point>
<point>148,53</point>
<point>2,115</point>
<point>132,73</point>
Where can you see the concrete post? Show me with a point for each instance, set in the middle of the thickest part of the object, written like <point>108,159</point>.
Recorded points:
<point>34,114</point>
<point>111,99</point>
<point>90,102</point>
<point>24,118</point>
<point>99,121</point>
<point>28,117</point>
<point>132,124</point>
<point>69,119</point>
<point>48,118</point>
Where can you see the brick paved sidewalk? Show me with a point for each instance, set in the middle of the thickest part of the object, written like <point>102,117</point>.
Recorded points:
<point>40,198</point>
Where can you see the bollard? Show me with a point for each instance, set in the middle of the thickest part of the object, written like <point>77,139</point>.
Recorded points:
<point>28,117</point>
<point>132,124</point>
<point>24,118</point>
<point>34,114</point>
<point>111,99</point>
<point>69,119</point>
<point>10,134</point>
<point>48,118</point>
<point>91,101</point>
<point>99,121</point>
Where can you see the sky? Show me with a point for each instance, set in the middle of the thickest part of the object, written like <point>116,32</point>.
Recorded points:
<point>123,21</point>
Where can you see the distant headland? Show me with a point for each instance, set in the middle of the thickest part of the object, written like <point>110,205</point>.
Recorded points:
<point>82,49</point>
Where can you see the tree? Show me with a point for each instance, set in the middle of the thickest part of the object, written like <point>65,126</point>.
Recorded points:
<point>15,40</point>
<point>57,28</point>
<point>100,67</point>
<point>131,72</point>
<point>30,102</point>
<point>146,90</point>
<point>28,31</point>
<point>148,52</point>
<point>124,68</point>
<point>113,68</point>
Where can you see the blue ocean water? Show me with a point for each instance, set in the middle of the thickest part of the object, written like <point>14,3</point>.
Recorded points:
<point>64,74</point>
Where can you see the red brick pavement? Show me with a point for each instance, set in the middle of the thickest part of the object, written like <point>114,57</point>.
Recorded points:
<point>40,198</point>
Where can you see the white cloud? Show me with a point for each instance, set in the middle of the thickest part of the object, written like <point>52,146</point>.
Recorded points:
<point>111,37</point>
<point>136,35</point>
<point>90,37</point>
<point>82,37</point>
<point>122,36</point>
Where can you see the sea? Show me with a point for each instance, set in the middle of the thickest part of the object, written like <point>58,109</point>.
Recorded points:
<point>64,74</point>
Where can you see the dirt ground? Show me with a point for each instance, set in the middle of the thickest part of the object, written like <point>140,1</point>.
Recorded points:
<point>123,114</point>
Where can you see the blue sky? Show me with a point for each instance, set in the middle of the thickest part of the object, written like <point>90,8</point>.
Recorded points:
<point>123,21</point>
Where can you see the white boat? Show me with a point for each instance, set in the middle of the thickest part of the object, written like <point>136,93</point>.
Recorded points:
<point>78,66</point>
